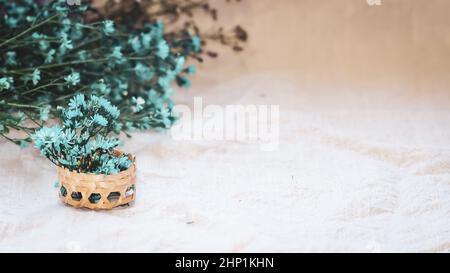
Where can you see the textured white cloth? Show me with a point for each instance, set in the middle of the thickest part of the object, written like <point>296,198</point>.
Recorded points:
<point>341,180</point>
<point>363,162</point>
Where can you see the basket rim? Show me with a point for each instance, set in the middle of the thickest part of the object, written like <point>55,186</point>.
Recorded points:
<point>119,174</point>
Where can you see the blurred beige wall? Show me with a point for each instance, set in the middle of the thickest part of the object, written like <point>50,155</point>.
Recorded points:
<point>396,54</point>
<point>402,46</point>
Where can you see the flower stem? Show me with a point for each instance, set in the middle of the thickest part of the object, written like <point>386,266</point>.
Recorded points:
<point>28,30</point>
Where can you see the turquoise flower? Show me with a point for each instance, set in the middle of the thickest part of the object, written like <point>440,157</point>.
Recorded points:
<point>121,85</point>
<point>6,83</point>
<point>124,162</point>
<point>12,22</point>
<point>77,101</point>
<point>112,110</point>
<point>163,49</point>
<point>43,113</point>
<point>73,113</point>
<point>11,58</point>
<point>196,43</point>
<point>108,27</point>
<point>65,43</point>
<point>101,87</point>
<point>45,137</point>
<point>158,29</point>
<point>82,55</point>
<point>50,56</point>
<point>73,79</point>
<point>66,23</point>
<point>38,36</point>
<point>42,40</point>
<point>154,98</point>
<point>143,72</point>
<point>138,104</point>
<point>99,120</point>
<point>165,82</point>
<point>146,40</point>
<point>191,70</point>
<point>135,44</point>
<point>179,64</point>
<point>107,143</point>
<point>30,19</point>
<point>36,76</point>
<point>117,55</point>
<point>23,144</point>
<point>44,45</point>
<point>68,136</point>
<point>77,31</point>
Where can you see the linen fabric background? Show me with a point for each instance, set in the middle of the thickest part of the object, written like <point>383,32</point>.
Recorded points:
<point>363,162</point>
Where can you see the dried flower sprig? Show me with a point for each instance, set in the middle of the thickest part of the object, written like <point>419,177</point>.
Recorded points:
<point>181,14</point>
<point>82,142</point>
<point>49,52</point>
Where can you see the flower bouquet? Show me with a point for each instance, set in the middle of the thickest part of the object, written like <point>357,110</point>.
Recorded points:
<point>92,172</point>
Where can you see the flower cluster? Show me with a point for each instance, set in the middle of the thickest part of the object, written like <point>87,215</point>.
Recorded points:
<point>182,15</point>
<point>82,143</point>
<point>49,52</point>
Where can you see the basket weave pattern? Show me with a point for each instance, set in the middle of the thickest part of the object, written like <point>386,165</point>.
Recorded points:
<point>97,191</point>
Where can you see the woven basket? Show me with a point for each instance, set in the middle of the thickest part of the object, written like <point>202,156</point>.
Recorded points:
<point>97,191</point>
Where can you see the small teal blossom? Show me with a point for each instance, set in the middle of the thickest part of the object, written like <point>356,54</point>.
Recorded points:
<point>158,29</point>
<point>77,32</point>
<point>30,19</point>
<point>121,85</point>
<point>112,110</point>
<point>154,98</point>
<point>43,113</point>
<point>163,49</point>
<point>73,113</point>
<point>146,40</point>
<point>117,55</point>
<point>66,23</point>
<point>82,55</point>
<point>46,137</point>
<point>23,143</point>
<point>77,101</point>
<point>99,120</point>
<point>38,36</point>
<point>108,27</point>
<point>166,81</point>
<point>138,104</point>
<point>73,79</point>
<point>197,43</point>
<point>101,87</point>
<point>11,58</point>
<point>65,43</point>
<point>44,45</point>
<point>6,83</point>
<point>179,65</point>
<point>191,70</point>
<point>12,22</point>
<point>143,72</point>
<point>50,56</point>
<point>135,44</point>
<point>36,76</point>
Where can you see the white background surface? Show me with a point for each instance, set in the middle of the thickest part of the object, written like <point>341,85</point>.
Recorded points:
<point>363,162</point>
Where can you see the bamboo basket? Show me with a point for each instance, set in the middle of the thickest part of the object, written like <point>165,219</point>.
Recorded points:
<point>97,191</point>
